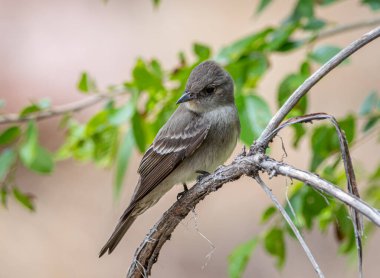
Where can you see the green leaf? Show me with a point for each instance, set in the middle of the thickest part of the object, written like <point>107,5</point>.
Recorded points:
<point>86,84</point>
<point>373,4</point>
<point>23,199</point>
<point>304,8</point>
<point>123,114</point>
<point>371,122</point>
<point>281,36</point>
<point>254,114</point>
<point>122,160</point>
<point>314,24</point>
<point>33,108</point>
<point>268,213</point>
<point>239,258</point>
<point>275,245</point>
<point>156,3</point>
<point>34,156</point>
<point>323,54</point>
<point>9,135</point>
<point>3,196</point>
<point>2,103</point>
<point>369,103</point>
<point>262,5</point>
<point>286,88</point>
<point>324,140</point>
<point>139,132</point>
<point>7,158</point>
<point>202,51</point>
<point>244,46</point>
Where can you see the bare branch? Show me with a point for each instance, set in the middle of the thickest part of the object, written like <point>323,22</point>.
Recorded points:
<point>262,141</point>
<point>307,250</point>
<point>61,110</point>
<point>342,28</point>
<point>146,255</point>
<point>352,187</point>
<point>269,165</point>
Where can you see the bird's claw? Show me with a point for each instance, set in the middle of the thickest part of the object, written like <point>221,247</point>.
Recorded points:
<point>202,174</point>
<point>185,189</point>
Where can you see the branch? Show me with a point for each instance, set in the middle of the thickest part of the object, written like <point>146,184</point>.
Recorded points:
<point>263,140</point>
<point>60,110</point>
<point>344,28</point>
<point>147,254</point>
<point>268,191</point>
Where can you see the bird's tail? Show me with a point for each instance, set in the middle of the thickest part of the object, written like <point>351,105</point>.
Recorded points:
<point>121,228</point>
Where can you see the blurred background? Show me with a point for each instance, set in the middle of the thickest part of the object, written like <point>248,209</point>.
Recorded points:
<point>45,45</point>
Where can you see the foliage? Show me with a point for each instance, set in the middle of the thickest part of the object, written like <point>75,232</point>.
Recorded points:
<point>110,136</point>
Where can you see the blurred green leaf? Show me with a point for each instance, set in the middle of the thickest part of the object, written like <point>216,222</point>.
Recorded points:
<point>23,199</point>
<point>139,132</point>
<point>239,258</point>
<point>244,46</point>
<point>369,103</point>
<point>122,160</point>
<point>2,103</point>
<point>156,3</point>
<point>303,8</point>
<point>314,24</point>
<point>86,84</point>
<point>280,36</point>
<point>254,114</point>
<point>9,135</point>
<point>147,77</point>
<point>371,123</point>
<point>286,88</point>
<point>268,214</point>
<point>262,5</point>
<point>33,108</point>
<point>34,156</point>
<point>7,158</point>
<point>203,52</point>
<point>324,140</point>
<point>373,4</point>
<point>323,54</point>
<point>274,243</point>
<point>3,196</point>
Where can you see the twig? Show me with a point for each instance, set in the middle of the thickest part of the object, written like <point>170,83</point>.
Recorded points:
<point>148,251</point>
<point>357,220</point>
<point>269,165</point>
<point>268,191</point>
<point>60,110</point>
<point>344,28</point>
<point>263,140</point>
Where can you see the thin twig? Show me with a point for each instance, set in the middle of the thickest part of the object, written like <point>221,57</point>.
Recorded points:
<point>148,251</point>
<point>263,140</point>
<point>61,110</point>
<point>307,250</point>
<point>342,28</point>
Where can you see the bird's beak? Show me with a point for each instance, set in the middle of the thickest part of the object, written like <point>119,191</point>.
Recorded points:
<point>187,96</point>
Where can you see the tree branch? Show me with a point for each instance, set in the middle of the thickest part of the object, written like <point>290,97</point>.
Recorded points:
<point>306,248</point>
<point>147,254</point>
<point>263,140</point>
<point>342,28</point>
<point>60,110</point>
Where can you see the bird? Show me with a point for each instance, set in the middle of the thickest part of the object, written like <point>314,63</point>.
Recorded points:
<point>199,136</point>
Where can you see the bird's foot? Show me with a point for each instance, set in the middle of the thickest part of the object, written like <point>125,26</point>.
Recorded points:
<point>185,189</point>
<point>202,174</point>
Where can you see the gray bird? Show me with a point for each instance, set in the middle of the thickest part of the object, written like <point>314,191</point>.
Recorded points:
<point>199,136</point>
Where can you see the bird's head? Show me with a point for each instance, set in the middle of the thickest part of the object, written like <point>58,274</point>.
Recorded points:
<point>208,87</point>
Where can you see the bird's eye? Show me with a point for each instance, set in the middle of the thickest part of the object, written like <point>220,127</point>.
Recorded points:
<point>210,90</point>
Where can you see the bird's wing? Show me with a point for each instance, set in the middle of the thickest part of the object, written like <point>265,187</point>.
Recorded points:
<point>175,141</point>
